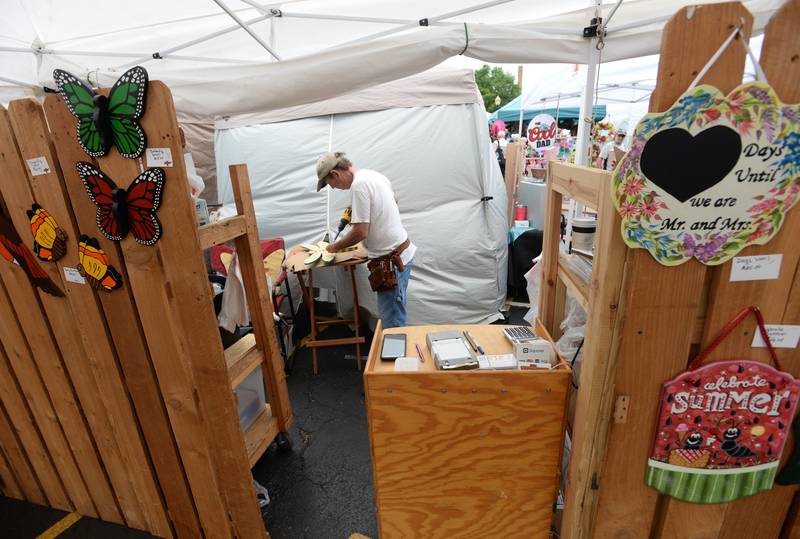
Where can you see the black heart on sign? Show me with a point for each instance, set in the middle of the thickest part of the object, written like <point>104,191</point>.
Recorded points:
<point>684,165</point>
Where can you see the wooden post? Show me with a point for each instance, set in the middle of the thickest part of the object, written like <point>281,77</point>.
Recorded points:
<point>259,301</point>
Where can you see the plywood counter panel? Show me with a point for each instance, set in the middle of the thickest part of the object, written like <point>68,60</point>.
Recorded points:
<point>464,453</point>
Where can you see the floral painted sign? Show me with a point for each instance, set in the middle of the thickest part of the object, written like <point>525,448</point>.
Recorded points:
<point>711,175</point>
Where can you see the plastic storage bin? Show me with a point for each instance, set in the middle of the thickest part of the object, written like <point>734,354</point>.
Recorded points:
<point>251,398</point>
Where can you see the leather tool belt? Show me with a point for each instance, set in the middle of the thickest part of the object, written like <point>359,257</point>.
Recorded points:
<point>382,276</point>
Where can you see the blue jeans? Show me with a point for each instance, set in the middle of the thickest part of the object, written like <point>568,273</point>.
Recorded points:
<point>392,303</point>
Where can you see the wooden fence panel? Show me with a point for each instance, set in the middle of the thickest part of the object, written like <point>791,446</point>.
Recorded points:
<point>651,350</point>
<point>122,452</point>
<point>31,319</point>
<point>172,299</point>
<point>127,333</point>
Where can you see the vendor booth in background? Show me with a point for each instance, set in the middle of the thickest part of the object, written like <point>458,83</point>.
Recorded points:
<point>428,134</point>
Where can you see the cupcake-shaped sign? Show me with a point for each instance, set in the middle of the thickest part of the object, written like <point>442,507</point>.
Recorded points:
<point>721,431</point>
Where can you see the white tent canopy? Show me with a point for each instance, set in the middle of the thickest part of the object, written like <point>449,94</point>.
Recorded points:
<point>326,48</point>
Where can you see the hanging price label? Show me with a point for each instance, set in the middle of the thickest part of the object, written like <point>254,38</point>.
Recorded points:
<point>159,157</point>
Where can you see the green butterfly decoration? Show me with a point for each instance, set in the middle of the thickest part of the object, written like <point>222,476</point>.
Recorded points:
<point>103,121</point>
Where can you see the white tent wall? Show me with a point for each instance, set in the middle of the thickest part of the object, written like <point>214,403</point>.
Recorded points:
<point>441,166</point>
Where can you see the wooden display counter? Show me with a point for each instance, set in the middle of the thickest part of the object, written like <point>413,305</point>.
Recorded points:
<point>464,453</point>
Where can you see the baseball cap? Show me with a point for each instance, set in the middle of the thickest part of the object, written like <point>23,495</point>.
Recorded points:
<point>325,164</point>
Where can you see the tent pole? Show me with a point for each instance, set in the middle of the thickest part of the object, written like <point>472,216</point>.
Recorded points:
<point>201,39</point>
<point>247,29</point>
<point>586,117</point>
<point>586,114</point>
<point>558,104</point>
<point>431,20</point>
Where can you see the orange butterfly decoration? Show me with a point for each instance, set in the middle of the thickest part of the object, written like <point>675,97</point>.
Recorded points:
<point>13,250</point>
<point>94,265</point>
<point>49,239</point>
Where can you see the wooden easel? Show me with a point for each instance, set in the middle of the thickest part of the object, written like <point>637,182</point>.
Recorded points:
<point>308,296</point>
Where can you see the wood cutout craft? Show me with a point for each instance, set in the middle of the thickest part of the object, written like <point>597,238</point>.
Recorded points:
<point>49,239</point>
<point>722,427</point>
<point>711,175</point>
<point>120,210</point>
<point>13,250</point>
<point>106,121</point>
<point>94,265</point>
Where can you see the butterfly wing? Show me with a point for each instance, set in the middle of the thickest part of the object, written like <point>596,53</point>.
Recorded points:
<point>80,101</point>
<point>94,264</point>
<point>11,245</point>
<point>101,190</point>
<point>126,103</point>
<point>144,198</point>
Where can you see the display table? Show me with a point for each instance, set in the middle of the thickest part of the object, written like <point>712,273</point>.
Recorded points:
<point>348,259</point>
<point>464,453</point>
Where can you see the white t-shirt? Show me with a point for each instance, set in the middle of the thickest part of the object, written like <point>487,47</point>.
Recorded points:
<point>373,202</point>
<point>608,152</point>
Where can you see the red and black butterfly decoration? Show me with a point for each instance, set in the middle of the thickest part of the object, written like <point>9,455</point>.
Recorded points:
<point>13,250</point>
<point>120,210</point>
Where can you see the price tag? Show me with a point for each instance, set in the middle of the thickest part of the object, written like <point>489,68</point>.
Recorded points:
<point>72,275</point>
<point>780,336</point>
<point>159,157</point>
<point>38,166</point>
<point>756,268</point>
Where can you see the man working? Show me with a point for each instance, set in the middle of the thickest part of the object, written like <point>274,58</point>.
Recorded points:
<point>376,221</point>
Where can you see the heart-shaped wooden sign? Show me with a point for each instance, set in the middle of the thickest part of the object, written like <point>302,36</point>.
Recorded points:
<point>711,175</point>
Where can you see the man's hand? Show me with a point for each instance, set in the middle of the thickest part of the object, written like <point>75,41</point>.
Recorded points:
<point>358,232</point>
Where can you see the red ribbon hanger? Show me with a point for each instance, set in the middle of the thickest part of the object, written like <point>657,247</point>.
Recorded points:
<point>697,361</point>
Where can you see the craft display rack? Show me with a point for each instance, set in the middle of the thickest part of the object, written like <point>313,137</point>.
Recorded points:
<point>646,320</point>
<point>119,405</point>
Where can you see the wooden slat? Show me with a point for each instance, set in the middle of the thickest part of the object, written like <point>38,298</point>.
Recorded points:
<point>225,230</point>
<point>123,323</point>
<point>17,461</point>
<point>579,288</point>
<point>259,300</point>
<point>598,371</point>
<point>335,342</point>
<point>513,172</point>
<point>661,303</point>
<point>119,440</point>
<point>726,299</point>
<point>243,358</point>
<point>548,292</point>
<point>32,420</point>
<point>17,197</point>
<point>195,324</point>
<point>156,291</point>
<point>8,482</point>
<point>260,434</point>
<point>579,183</point>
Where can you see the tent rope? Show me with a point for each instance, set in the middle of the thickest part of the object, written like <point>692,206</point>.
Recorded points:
<point>466,35</point>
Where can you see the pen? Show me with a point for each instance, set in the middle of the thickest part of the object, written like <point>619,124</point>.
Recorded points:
<point>420,354</point>
<point>469,341</point>
<point>475,343</point>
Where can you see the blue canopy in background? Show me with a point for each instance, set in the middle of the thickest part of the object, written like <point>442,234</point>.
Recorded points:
<point>510,112</point>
